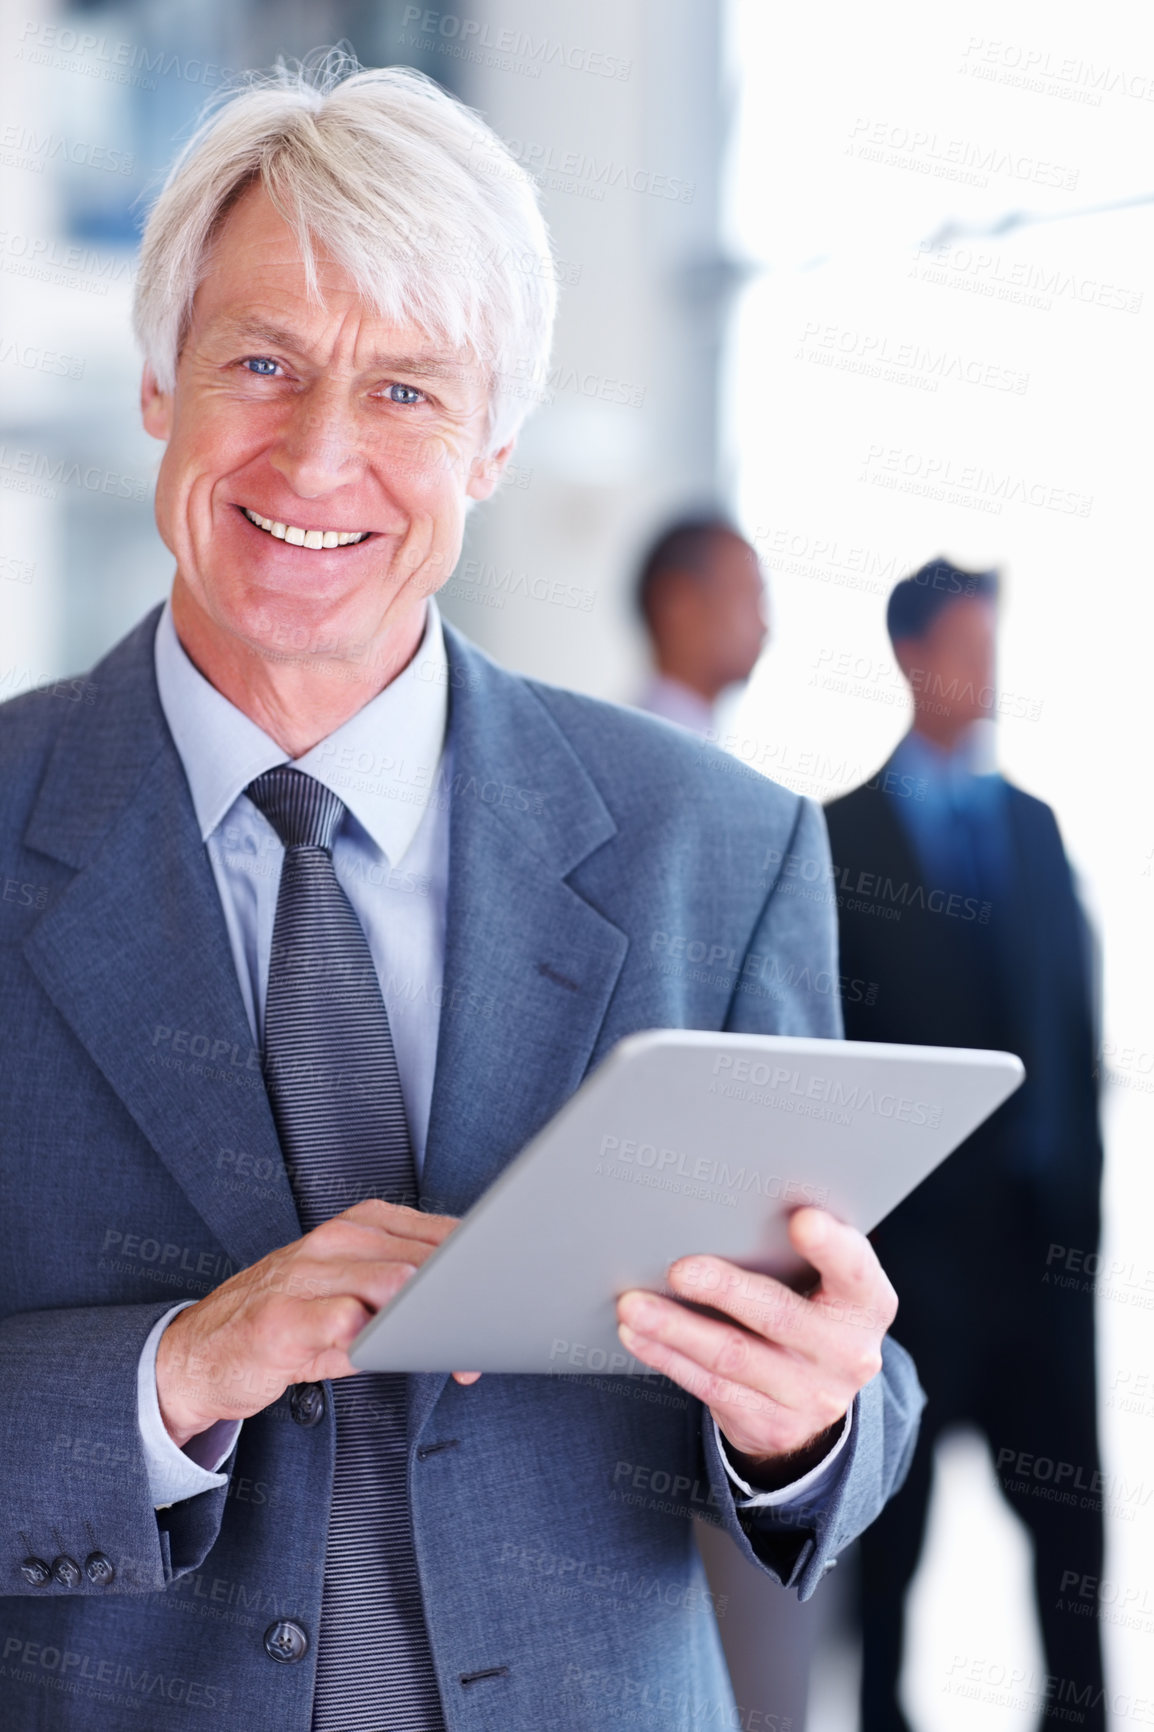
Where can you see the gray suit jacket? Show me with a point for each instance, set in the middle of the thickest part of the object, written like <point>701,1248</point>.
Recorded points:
<point>607,874</point>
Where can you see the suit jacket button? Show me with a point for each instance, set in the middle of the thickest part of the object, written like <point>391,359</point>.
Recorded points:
<point>36,1571</point>
<point>67,1571</point>
<point>285,1641</point>
<point>307,1403</point>
<point>99,1569</point>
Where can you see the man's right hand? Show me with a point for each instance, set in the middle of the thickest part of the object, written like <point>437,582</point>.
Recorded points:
<point>290,1318</point>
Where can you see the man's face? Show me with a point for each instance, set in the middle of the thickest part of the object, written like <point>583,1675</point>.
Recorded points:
<point>954,663</point>
<point>326,422</point>
<point>735,607</point>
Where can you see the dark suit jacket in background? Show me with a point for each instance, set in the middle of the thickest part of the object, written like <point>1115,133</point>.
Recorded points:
<point>1013,975</point>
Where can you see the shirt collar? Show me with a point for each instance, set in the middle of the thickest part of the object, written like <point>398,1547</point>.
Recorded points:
<point>674,702</point>
<point>972,756</point>
<point>382,763</point>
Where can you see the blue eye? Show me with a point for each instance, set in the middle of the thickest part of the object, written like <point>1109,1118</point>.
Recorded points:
<point>261,365</point>
<point>408,394</point>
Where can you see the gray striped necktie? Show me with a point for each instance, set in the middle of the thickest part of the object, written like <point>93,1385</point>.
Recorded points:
<point>331,1074</point>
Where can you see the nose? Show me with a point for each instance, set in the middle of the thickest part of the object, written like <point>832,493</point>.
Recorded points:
<point>317,451</point>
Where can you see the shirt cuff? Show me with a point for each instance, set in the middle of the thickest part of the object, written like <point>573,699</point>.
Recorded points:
<point>175,1473</point>
<point>808,1488</point>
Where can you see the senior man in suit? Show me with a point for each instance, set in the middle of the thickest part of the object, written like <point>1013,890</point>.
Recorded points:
<point>326,915</point>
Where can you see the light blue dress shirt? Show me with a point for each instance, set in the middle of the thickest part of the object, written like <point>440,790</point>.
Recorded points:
<point>955,820</point>
<point>391,767</point>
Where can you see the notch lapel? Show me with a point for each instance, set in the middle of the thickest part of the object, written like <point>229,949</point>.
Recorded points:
<point>135,954</point>
<point>530,966</point>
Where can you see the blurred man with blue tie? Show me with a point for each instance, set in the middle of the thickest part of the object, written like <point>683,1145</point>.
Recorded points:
<point>955,895</point>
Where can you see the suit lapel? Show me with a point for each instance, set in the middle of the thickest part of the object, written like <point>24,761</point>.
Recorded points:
<point>135,956</point>
<point>530,967</point>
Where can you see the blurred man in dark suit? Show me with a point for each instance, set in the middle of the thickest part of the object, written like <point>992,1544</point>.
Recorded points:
<point>701,594</point>
<point>955,895</point>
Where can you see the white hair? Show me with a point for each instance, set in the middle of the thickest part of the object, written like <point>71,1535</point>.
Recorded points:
<point>409,191</point>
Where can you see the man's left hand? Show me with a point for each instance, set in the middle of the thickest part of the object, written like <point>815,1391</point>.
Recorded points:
<point>781,1377</point>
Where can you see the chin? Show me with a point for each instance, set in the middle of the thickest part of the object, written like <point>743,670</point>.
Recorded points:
<point>268,621</point>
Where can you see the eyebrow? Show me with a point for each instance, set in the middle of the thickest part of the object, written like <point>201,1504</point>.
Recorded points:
<point>275,337</point>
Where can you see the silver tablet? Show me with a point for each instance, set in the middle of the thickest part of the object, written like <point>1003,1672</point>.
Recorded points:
<point>681,1141</point>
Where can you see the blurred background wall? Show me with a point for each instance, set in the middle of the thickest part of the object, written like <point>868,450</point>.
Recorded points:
<point>878,281</point>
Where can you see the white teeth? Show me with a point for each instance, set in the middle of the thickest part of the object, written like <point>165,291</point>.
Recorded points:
<point>305,537</point>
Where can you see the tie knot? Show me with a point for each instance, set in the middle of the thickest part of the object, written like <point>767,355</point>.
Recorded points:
<point>302,811</point>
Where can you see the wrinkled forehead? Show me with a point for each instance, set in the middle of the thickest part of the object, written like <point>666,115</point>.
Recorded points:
<point>261,288</point>
<point>355,334</point>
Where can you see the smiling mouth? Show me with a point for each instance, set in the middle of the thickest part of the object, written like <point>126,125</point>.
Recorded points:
<point>305,537</point>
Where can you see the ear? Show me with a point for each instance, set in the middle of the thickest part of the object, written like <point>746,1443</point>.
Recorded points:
<point>485,472</point>
<point>155,406</point>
